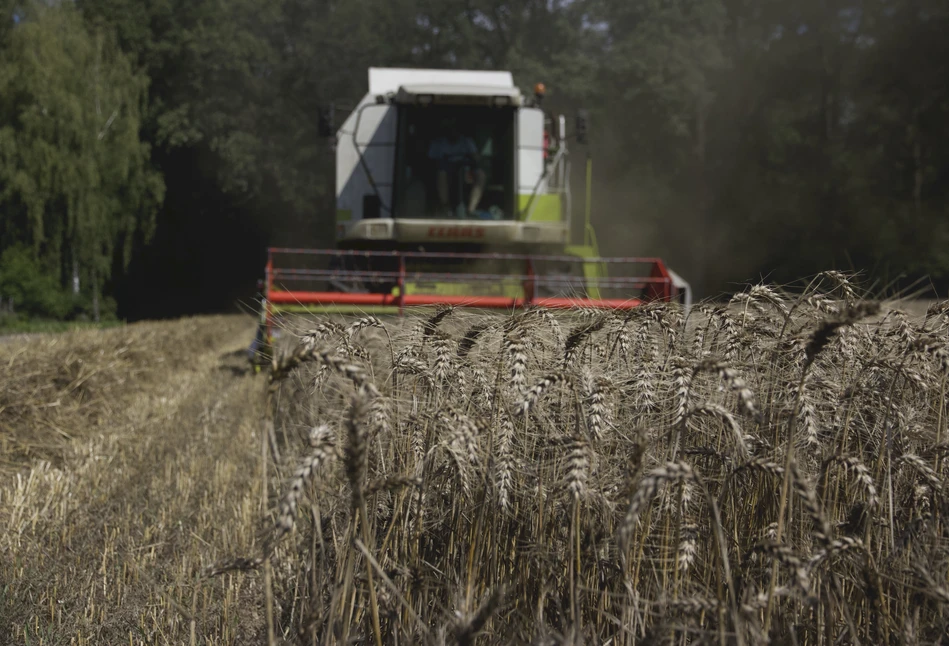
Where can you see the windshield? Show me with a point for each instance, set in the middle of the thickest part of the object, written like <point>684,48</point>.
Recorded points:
<point>455,162</point>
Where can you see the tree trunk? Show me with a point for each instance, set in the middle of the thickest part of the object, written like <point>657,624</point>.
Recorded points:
<point>75,277</point>
<point>917,170</point>
<point>828,205</point>
<point>700,142</point>
<point>95,298</point>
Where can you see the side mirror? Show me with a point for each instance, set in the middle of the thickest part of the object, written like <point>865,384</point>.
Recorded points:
<point>324,121</point>
<point>583,117</point>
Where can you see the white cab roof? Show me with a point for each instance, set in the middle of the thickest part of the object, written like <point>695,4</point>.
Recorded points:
<point>383,80</point>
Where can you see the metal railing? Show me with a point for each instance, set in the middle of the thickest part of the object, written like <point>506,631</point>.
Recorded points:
<point>658,284</point>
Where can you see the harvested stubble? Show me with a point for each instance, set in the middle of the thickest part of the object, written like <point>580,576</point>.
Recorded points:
<point>770,471</point>
<point>112,497</point>
<point>55,388</point>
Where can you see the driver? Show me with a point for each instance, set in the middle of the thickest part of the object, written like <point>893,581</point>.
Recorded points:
<point>450,152</point>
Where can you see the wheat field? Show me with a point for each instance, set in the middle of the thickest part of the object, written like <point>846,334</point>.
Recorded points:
<point>765,470</point>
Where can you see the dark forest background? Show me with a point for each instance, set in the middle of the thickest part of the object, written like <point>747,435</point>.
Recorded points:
<point>150,150</point>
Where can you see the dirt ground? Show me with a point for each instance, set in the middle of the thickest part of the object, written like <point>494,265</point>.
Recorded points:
<point>129,461</point>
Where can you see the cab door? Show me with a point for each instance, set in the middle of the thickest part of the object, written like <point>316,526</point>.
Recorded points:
<point>530,160</point>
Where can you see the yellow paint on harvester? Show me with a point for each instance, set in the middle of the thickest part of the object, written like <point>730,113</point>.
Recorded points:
<point>545,207</point>
<point>463,289</point>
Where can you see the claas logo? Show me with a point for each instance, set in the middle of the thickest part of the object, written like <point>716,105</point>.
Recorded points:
<point>456,232</point>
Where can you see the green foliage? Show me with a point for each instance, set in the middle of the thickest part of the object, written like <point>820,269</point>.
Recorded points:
<point>33,288</point>
<point>30,289</point>
<point>732,138</point>
<point>75,177</point>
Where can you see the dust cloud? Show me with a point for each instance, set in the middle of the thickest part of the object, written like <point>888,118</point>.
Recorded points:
<point>633,216</point>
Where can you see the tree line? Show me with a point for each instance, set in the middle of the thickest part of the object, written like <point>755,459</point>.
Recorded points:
<point>150,151</point>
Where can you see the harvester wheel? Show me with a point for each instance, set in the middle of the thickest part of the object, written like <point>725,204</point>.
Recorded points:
<point>260,351</point>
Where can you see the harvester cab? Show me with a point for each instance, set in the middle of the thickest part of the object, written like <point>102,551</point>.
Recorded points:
<point>441,157</point>
<point>452,187</point>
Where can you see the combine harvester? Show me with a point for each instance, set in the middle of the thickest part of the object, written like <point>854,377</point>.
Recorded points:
<point>454,188</point>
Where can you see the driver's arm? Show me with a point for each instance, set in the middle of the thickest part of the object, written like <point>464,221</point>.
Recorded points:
<point>472,150</point>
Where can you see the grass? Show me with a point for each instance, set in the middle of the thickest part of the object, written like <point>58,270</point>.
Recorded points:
<point>770,470</point>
